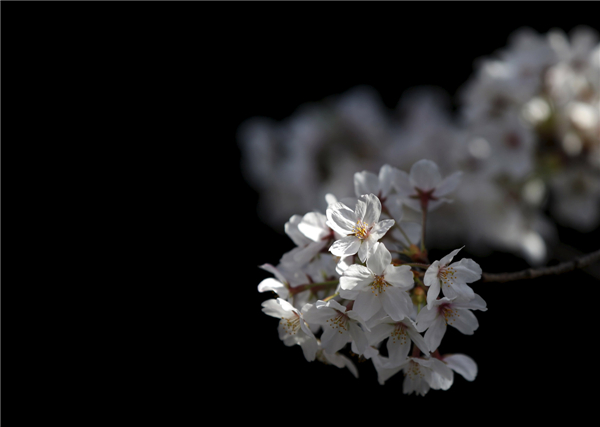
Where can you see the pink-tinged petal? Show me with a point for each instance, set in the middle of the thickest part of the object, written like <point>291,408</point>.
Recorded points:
<point>396,303</point>
<point>380,259</point>
<point>307,253</point>
<point>346,246</point>
<point>386,177</point>
<point>435,333</point>
<point>366,305</point>
<point>276,286</point>
<point>356,277</point>
<point>373,209</point>
<point>462,364</point>
<point>448,258</point>
<point>401,182</point>
<point>365,183</point>
<point>465,322</point>
<point>400,276</point>
<point>380,228</point>
<point>425,175</point>
<point>466,270</point>
<point>448,184</point>
<point>341,218</point>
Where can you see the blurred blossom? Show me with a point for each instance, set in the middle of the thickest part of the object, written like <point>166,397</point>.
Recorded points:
<point>527,133</point>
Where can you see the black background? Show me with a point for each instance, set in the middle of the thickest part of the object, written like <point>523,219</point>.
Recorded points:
<point>155,94</point>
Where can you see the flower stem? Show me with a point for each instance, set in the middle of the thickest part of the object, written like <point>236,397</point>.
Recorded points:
<point>331,297</point>
<point>424,221</point>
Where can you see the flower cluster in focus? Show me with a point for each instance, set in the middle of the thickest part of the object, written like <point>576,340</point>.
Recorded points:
<point>359,281</point>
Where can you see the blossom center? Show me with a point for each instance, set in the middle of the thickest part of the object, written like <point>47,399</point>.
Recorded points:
<point>361,229</point>
<point>291,324</point>
<point>378,285</point>
<point>450,314</point>
<point>399,333</point>
<point>414,371</point>
<point>339,322</point>
<point>447,275</point>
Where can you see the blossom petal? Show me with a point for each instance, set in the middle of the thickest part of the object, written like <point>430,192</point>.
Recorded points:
<point>359,337</point>
<point>448,184</point>
<point>396,303</point>
<point>380,259</point>
<point>379,333</point>
<point>398,350</point>
<point>386,176</point>
<point>276,286</point>
<point>313,226</point>
<point>366,305</point>
<point>372,209</point>
<point>425,175</point>
<point>341,218</point>
<point>401,276</point>
<point>365,183</point>
<point>272,307</point>
<point>346,246</point>
<point>435,333</point>
<point>333,340</point>
<point>380,228</point>
<point>448,258</point>
<point>466,322</point>
<point>356,277</point>
<point>467,270</point>
<point>425,318</point>
<point>401,182</point>
<point>462,364</point>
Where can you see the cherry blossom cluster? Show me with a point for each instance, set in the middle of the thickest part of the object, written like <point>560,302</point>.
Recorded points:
<point>358,282</point>
<point>526,135</point>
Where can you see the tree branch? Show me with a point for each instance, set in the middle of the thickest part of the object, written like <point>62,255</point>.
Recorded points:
<point>531,273</point>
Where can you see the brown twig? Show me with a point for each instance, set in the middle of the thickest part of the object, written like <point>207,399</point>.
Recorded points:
<point>532,273</point>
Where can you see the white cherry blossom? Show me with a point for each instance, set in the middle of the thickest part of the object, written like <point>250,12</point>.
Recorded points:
<point>292,328</point>
<point>340,325</point>
<point>378,285</point>
<point>400,335</point>
<point>381,185</point>
<point>361,227</point>
<point>445,311</point>
<point>452,278</point>
<point>424,186</point>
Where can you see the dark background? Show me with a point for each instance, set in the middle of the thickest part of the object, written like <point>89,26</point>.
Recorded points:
<point>141,107</point>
